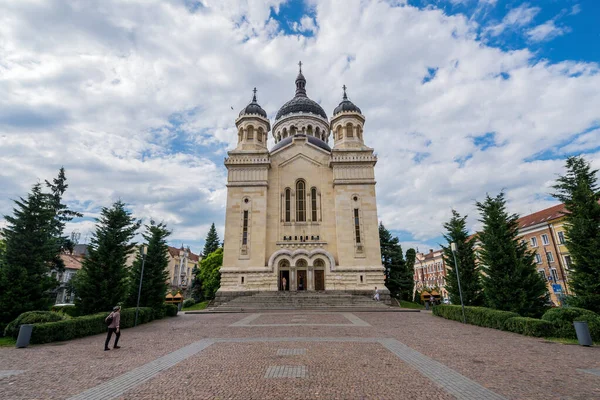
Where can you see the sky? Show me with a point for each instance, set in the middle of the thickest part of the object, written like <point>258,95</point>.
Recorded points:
<point>137,100</point>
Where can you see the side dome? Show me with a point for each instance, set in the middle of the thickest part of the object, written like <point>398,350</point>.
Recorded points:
<point>253,108</point>
<point>346,105</point>
<point>301,102</point>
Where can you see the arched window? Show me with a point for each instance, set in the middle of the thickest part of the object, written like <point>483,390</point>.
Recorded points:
<point>240,135</point>
<point>259,136</point>
<point>300,201</point>
<point>340,135</point>
<point>349,132</point>
<point>285,133</point>
<point>250,133</point>
<point>313,203</point>
<point>359,132</point>
<point>318,133</point>
<point>292,131</point>
<point>288,200</point>
<point>309,130</point>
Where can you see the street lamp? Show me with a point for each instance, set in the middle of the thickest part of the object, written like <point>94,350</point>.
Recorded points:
<point>143,249</point>
<point>453,248</point>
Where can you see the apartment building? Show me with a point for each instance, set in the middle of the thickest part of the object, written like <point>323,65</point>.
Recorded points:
<point>430,272</point>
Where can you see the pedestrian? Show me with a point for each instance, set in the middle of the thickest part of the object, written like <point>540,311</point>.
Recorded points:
<point>427,303</point>
<point>284,283</point>
<point>376,297</point>
<point>114,326</point>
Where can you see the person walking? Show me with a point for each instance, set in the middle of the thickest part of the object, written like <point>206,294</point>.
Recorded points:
<point>114,326</point>
<point>376,297</point>
<point>284,283</point>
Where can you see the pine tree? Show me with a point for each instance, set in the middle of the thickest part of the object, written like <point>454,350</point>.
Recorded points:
<point>29,256</point>
<point>103,280</point>
<point>210,275</point>
<point>411,257</point>
<point>470,277</point>
<point>393,261</point>
<point>510,280</point>
<point>156,274</point>
<point>579,190</point>
<point>212,241</point>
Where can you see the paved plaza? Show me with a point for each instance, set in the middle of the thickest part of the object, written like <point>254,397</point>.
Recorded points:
<point>304,355</point>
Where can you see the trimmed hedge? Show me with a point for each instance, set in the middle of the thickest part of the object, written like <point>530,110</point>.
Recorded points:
<point>563,319</point>
<point>172,310</point>
<point>85,326</point>
<point>69,310</point>
<point>529,326</point>
<point>30,317</point>
<point>479,316</point>
<point>188,303</point>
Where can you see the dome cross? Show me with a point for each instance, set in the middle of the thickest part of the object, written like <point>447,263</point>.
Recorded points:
<point>345,96</point>
<point>254,97</point>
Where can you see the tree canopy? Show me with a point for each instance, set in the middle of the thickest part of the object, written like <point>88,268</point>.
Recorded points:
<point>211,243</point>
<point>399,280</point>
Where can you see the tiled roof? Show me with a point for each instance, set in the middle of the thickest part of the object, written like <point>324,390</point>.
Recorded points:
<point>174,251</point>
<point>542,216</point>
<point>72,261</point>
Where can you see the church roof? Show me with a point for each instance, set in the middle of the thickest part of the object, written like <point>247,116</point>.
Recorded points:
<point>253,108</point>
<point>311,139</point>
<point>346,105</point>
<point>301,102</point>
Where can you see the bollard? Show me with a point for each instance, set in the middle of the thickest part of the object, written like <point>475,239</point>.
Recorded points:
<point>583,333</point>
<point>24,335</point>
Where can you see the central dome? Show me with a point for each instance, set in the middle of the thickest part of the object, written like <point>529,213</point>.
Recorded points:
<point>301,103</point>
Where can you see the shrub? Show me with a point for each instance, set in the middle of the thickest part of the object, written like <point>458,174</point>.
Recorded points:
<point>563,319</point>
<point>160,312</point>
<point>529,326</point>
<point>85,326</point>
<point>69,310</point>
<point>480,316</point>
<point>188,303</point>
<point>30,317</point>
<point>171,310</point>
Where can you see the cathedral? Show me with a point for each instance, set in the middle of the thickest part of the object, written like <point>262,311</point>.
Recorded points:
<point>301,216</point>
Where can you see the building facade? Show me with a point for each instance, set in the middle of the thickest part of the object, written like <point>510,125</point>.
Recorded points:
<point>430,272</point>
<point>181,266</point>
<point>301,215</point>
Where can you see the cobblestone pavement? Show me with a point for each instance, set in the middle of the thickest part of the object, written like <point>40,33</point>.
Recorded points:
<point>353,363</point>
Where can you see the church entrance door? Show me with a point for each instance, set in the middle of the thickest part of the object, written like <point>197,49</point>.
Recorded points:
<point>284,276</point>
<point>319,280</point>
<point>301,280</point>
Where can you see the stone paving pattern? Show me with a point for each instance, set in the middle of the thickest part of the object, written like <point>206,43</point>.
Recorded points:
<point>511,365</point>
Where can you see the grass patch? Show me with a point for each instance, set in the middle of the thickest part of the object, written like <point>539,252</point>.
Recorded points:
<point>7,342</point>
<point>196,307</point>
<point>567,341</point>
<point>410,304</point>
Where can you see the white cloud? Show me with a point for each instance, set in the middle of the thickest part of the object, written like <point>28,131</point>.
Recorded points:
<point>135,99</point>
<point>546,31</point>
<point>517,17</point>
<point>306,24</point>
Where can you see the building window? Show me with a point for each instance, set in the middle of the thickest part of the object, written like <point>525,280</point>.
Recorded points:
<point>300,201</point>
<point>349,131</point>
<point>545,239</point>
<point>250,133</point>
<point>533,242</point>
<point>356,226</point>
<point>245,229</point>
<point>259,135</point>
<point>538,258</point>
<point>561,237</point>
<point>542,274</point>
<point>568,262</point>
<point>340,135</point>
<point>554,274</point>
<point>549,256</point>
<point>288,197</point>
<point>313,203</point>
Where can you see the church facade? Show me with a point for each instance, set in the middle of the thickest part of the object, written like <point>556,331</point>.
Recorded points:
<point>301,216</point>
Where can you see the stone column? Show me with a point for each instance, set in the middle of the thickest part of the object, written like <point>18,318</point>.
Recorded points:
<point>310,285</point>
<point>293,286</point>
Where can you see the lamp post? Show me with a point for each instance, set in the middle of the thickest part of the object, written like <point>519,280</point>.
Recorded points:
<point>143,249</point>
<point>453,248</point>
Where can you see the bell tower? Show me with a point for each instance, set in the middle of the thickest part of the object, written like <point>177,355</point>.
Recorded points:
<point>253,127</point>
<point>347,125</point>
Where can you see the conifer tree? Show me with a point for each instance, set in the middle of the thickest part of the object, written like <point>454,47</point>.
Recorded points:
<point>212,241</point>
<point>156,274</point>
<point>210,275</point>
<point>29,256</point>
<point>392,259</point>
<point>470,277</point>
<point>411,257</point>
<point>510,280</point>
<point>579,190</point>
<point>103,280</point>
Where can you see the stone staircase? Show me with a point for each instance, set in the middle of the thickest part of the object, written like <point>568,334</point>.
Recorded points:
<point>268,301</point>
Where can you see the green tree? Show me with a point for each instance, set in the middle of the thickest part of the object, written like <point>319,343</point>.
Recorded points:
<point>579,190</point>
<point>29,256</point>
<point>411,257</point>
<point>156,274</point>
<point>211,243</point>
<point>103,280</point>
<point>397,280</point>
<point>510,280</point>
<point>470,277</point>
<point>210,274</point>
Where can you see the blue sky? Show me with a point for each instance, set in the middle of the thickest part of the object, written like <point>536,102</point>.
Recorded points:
<point>138,99</point>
